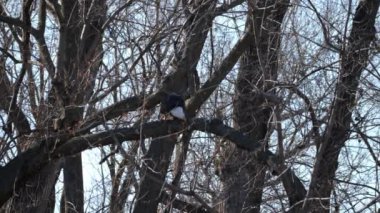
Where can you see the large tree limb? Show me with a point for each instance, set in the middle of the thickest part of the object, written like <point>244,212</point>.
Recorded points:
<point>16,22</point>
<point>355,57</point>
<point>26,54</point>
<point>34,159</point>
<point>182,205</point>
<point>133,103</point>
<point>160,151</point>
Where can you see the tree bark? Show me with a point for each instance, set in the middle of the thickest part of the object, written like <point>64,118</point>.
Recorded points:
<point>79,54</point>
<point>38,195</point>
<point>243,178</point>
<point>354,59</point>
<point>73,184</point>
<point>156,165</point>
<point>196,30</point>
<point>80,50</point>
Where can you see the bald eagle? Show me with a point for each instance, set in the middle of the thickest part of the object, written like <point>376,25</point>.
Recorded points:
<point>174,105</point>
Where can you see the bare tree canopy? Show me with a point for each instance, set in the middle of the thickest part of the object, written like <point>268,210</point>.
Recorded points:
<point>189,106</point>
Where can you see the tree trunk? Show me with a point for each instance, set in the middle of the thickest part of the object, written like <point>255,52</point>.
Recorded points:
<point>81,52</point>
<point>38,195</point>
<point>196,30</point>
<point>79,45</point>
<point>154,172</point>
<point>242,177</point>
<point>73,179</point>
<point>354,60</point>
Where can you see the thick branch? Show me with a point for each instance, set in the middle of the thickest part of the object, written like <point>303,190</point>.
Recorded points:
<point>34,159</point>
<point>133,103</point>
<point>354,60</point>
<point>224,68</point>
<point>16,22</point>
<point>13,112</point>
<point>182,205</point>
<point>227,6</point>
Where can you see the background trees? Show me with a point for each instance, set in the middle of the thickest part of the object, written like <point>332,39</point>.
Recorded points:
<point>282,96</point>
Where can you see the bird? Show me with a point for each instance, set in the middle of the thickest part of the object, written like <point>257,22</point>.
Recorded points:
<point>174,105</point>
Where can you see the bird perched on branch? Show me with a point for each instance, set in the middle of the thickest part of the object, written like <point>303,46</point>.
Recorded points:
<point>174,105</point>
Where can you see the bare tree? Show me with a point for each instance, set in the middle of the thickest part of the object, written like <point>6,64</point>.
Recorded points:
<point>281,103</point>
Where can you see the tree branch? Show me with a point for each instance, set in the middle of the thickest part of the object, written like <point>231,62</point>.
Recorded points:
<point>182,205</point>
<point>31,161</point>
<point>354,60</point>
<point>217,77</point>
<point>227,6</point>
<point>16,22</point>
<point>25,49</point>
